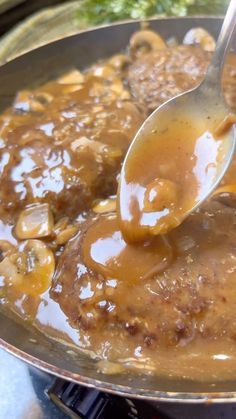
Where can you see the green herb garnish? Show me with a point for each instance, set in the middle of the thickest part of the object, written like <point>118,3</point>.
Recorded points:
<point>94,12</point>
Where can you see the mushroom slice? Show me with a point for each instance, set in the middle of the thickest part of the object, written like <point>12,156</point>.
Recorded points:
<point>29,270</point>
<point>65,235</point>
<point>105,205</point>
<point>105,71</point>
<point>61,225</point>
<point>34,222</point>
<point>40,267</point>
<point>145,41</point>
<point>120,61</point>
<point>9,273</point>
<point>8,269</point>
<point>64,231</point>
<point>73,77</point>
<point>26,102</point>
<point>43,97</point>
<point>6,249</point>
<point>199,36</point>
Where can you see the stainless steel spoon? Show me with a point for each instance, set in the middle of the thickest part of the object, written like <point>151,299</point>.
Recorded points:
<point>204,103</point>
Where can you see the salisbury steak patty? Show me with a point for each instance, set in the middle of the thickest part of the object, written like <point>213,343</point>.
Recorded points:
<point>158,76</point>
<point>63,143</point>
<point>192,298</point>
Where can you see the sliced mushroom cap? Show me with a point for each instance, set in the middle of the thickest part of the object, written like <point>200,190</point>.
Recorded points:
<point>34,222</point>
<point>64,231</point>
<point>8,269</point>
<point>105,71</point>
<point>120,61</point>
<point>73,77</point>
<point>65,235</point>
<point>6,249</point>
<point>41,266</point>
<point>26,102</point>
<point>60,225</point>
<point>145,41</point>
<point>105,205</point>
<point>9,272</point>
<point>199,36</point>
<point>29,270</point>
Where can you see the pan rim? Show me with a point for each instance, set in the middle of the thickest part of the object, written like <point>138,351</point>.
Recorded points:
<point>119,389</point>
<point>113,24</point>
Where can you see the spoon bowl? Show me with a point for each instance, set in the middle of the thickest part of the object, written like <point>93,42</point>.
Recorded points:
<point>180,154</point>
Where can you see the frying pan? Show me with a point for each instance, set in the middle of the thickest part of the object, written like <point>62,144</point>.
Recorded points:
<point>36,67</point>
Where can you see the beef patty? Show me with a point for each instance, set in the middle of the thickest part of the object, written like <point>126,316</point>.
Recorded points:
<point>158,76</point>
<point>191,298</point>
<point>63,143</point>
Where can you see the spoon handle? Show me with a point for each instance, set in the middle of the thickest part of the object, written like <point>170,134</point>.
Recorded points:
<point>214,71</point>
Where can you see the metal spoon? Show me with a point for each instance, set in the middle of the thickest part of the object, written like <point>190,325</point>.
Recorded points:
<point>204,103</point>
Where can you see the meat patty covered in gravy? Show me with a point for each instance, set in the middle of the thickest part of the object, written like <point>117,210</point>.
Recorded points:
<point>164,306</point>
<point>159,75</point>
<point>63,144</point>
<point>189,299</point>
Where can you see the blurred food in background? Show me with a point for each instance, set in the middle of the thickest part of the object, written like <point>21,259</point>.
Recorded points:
<point>101,11</point>
<point>31,23</point>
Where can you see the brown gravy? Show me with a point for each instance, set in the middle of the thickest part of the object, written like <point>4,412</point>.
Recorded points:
<point>105,251</point>
<point>163,307</point>
<point>168,172</point>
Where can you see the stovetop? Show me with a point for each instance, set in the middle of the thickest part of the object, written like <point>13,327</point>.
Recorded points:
<point>26,391</point>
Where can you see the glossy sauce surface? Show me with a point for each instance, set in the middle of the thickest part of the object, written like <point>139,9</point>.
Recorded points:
<point>164,307</point>
<point>106,251</point>
<point>182,312</point>
<point>170,167</point>
<point>63,143</point>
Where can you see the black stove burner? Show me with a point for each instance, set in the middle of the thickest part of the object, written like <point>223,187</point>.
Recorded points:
<point>86,403</point>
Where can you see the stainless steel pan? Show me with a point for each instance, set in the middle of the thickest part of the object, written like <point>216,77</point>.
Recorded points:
<point>33,68</point>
